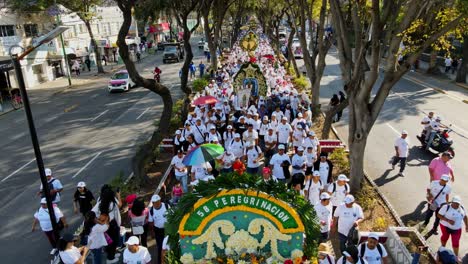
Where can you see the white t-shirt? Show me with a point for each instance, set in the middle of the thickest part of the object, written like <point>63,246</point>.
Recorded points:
<point>263,128</point>
<point>298,137</point>
<point>403,147</point>
<point>298,161</point>
<point>324,213</point>
<point>237,148</point>
<point>283,132</point>
<point>313,191</point>
<point>435,188</point>
<point>177,163</point>
<point>57,185</point>
<point>248,136</point>
<point>347,217</point>
<point>42,215</point>
<point>276,161</point>
<point>96,238</point>
<point>427,120</point>
<point>201,171</point>
<point>158,217</point>
<point>228,137</point>
<point>141,256</point>
<point>252,155</point>
<point>311,142</point>
<point>451,213</point>
<point>270,139</point>
<point>70,256</point>
<point>372,256</point>
<point>339,194</point>
<point>310,158</point>
<point>199,133</point>
<point>340,260</point>
<point>329,260</point>
<point>324,170</point>
<point>228,160</point>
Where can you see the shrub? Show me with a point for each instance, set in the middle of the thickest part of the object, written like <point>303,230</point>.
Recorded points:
<point>199,84</point>
<point>380,224</point>
<point>340,161</point>
<point>301,83</point>
<point>366,197</point>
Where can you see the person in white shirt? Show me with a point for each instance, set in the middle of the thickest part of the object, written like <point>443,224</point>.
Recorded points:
<point>323,209</point>
<point>201,171</point>
<point>179,141</point>
<point>212,134</point>
<point>324,254</point>
<point>271,139</point>
<point>187,130</point>
<point>284,131</point>
<point>226,160</point>
<point>426,123</point>
<point>237,146</point>
<point>312,141</point>
<point>279,162</point>
<point>94,229</point>
<point>256,121</point>
<point>338,190</point>
<point>250,135</point>
<point>310,155</point>
<point>298,162</point>
<point>266,174</point>
<point>228,136</point>
<point>401,152</point>
<point>43,218</point>
<point>262,131</point>
<point>452,216</point>
<point>351,256</point>
<point>448,64</point>
<point>372,251</point>
<point>435,127</point>
<point>297,120</point>
<point>298,136</point>
<point>136,254</point>
<point>157,220</point>
<point>180,170</point>
<point>313,188</point>
<point>347,215</point>
<point>199,131</point>
<point>438,193</point>
<point>55,187</point>
<point>252,155</point>
<point>69,254</point>
<point>274,122</point>
<point>278,114</point>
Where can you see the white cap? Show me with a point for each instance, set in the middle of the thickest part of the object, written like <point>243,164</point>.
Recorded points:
<point>316,173</point>
<point>48,172</point>
<point>273,115</point>
<point>155,198</point>
<point>445,177</point>
<point>325,195</point>
<point>456,199</point>
<point>284,118</point>
<point>374,236</point>
<point>349,199</point>
<point>256,114</point>
<point>299,115</point>
<point>43,201</point>
<point>178,132</point>
<point>133,240</point>
<point>342,177</point>
<point>300,148</point>
<point>236,135</point>
<point>241,117</point>
<point>265,118</point>
<point>311,133</point>
<point>81,184</point>
<point>229,127</point>
<point>404,132</point>
<point>281,147</point>
<point>212,127</point>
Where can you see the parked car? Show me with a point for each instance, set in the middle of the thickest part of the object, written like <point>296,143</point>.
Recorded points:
<point>120,81</point>
<point>173,51</point>
<point>201,44</point>
<point>297,49</point>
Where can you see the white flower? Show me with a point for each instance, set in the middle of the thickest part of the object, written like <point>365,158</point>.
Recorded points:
<point>297,254</point>
<point>228,251</point>
<point>187,258</point>
<point>241,262</point>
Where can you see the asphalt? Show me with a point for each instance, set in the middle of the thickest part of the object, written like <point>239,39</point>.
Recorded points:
<point>86,134</point>
<point>410,99</point>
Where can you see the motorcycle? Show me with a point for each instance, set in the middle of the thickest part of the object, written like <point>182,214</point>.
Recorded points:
<point>157,77</point>
<point>441,142</point>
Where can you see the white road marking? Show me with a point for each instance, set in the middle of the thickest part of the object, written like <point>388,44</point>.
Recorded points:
<point>17,136</point>
<point>394,130</point>
<point>99,115</point>
<point>87,164</point>
<point>146,110</point>
<point>129,178</point>
<point>16,171</point>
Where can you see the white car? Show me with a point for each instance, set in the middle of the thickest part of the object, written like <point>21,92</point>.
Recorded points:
<point>120,81</point>
<point>296,48</point>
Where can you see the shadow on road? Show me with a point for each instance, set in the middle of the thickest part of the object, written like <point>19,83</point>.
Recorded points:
<point>382,180</point>
<point>418,157</point>
<point>416,216</point>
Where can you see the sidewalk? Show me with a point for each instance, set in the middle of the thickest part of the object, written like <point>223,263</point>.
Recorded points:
<point>423,66</point>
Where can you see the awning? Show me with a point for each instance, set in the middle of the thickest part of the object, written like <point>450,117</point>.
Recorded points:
<point>6,64</point>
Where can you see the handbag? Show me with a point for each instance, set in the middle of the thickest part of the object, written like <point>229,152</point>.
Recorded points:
<point>108,238</point>
<point>433,205</point>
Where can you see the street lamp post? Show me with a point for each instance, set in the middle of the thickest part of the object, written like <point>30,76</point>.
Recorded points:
<point>16,58</point>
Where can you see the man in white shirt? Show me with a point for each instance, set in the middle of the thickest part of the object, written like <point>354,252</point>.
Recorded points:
<point>201,171</point>
<point>237,146</point>
<point>134,253</point>
<point>252,155</point>
<point>266,173</point>
<point>338,190</point>
<point>434,127</point>
<point>312,141</point>
<point>426,122</point>
<point>401,152</point>
<point>279,162</point>
<point>438,193</point>
<point>372,251</point>
<point>42,216</point>
<point>346,216</point>
<point>448,64</point>
<point>180,170</point>
<point>199,131</point>
<point>250,135</point>
<point>310,159</point>
<point>55,187</point>
<point>262,131</point>
<point>271,140</point>
<point>284,131</point>
<point>226,160</point>
<point>323,209</point>
<point>313,188</point>
<point>157,219</point>
<point>299,161</point>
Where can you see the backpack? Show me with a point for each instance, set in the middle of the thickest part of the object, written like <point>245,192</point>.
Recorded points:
<point>360,259</point>
<point>363,249</point>
<point>334,187</point>
<point>152,209</point>
<point>51,187</point>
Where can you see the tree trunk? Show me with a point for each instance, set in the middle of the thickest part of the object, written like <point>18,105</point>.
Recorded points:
<point>97,53</point>
<point>462,71</point>
<point>290,52</point>
<point>188,59</point>
<point>332,111</point>
<point>211,45</point>
<point>433,68</point>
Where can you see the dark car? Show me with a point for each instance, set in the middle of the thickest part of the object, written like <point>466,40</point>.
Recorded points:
<point>173,51</point>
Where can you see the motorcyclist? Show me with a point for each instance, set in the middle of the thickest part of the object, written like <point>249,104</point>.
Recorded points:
<point>157,73</point>
<point>434,127</point>
<point>426,122</point>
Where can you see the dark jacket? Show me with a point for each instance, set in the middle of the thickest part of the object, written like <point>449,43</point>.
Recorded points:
<point>330,171</point>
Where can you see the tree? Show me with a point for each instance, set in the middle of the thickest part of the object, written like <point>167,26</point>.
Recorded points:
<point>238,12</point>
<point>361,26</point>
<point>292,33</point>
<point>462,71</point>
<point>145,152</point>
<point>270,13</point>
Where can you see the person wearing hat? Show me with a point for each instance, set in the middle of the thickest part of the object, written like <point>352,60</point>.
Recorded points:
<point>372,251</point>
<point>178,141</point>
<point>199,131</point>
<point>401,152</point>
<point>82,199</point>
<point>313,188</point>
<point>438,193</point>
<point>325,167</point>
<point>351,256</point>
<point>240,126</point>
<point>338,190</point>
<point>312,141</point>
<point>284,131</point>
<point>42,216</point>
<point>324,254</point>
<point>69,254</point>
<point>311,157</point>
<point>346,216</point>
<point>452,217</point>
<point>157,220</point>
<point>180,170</point>
<point>298,120</point>
<point>279,163</point>
<point>324,212</point>
<point>251,135</point>
<point>226,160</point>
<point>262,131</point>
<point>252,156</point>
<point>237,146</point>
<point>440,166</point>
<point>55,187</point>
<point>435,127</point>
<point>271,140</point>
<point>134,253</point>
<point>446,256</point>
<point>228,136</point>
<point>267,176</point>
<point>187,130</point>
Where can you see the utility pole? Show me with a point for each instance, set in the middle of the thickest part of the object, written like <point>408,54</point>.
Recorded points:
<point>59,23</point>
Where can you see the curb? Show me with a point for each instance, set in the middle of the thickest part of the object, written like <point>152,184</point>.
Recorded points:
<point>393,212</point>
<point>462,85</point>
<point>6,112</point>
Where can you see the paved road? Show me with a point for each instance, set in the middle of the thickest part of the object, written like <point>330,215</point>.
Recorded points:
<point>86,134</point>
<point>411,98</point>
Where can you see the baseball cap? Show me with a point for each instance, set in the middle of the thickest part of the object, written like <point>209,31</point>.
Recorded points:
<point>130,199</point>
<point>404,132</point>
<point>281,147</point>
<point>256,114</point>
<point>311,133</point>
<point>43,201</point>
<point>212,127</point>
<point>456,199</point>
<point>242,117</point>
<point>133,240</point>
<point>236,135</point>
<point>445,177</point>
<point>266,170</point>
<point>229,127</point>
<point>284,118</point>
<point>325,196</point>
<point>374,236</point>
<point>349,199</point>
<point>81,184</point>
<point>316,173</point>
<point>178,132</point>
<point>68,237</point>
<point>48,172</point>
<point>187,123</point>
<point>155,198</point>
<point>300,148</point>
<point>342,177</point>
<point>265,118</point>
<point>299,115</point>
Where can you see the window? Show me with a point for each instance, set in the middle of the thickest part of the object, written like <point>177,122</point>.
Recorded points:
<point>30,30</point>
<point>7,30</point>
<point>83,28</point>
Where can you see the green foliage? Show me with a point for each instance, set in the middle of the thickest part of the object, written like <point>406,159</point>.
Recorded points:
<point>301,83</point>
<point>199,84</point>
<point>248,182</point>
<point>380,224</point>
<point>176,115</point>
<point>340,160</point>
<point>366,197</point>
<point>118,182</point>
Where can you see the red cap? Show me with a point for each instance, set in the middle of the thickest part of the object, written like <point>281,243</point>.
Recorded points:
<point>266,170</point>
<point>130,199</point>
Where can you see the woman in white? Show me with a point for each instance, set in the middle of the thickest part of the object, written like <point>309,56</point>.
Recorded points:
<point>228,136</point>
<point>313,188</point>
<point>93,230</point>
<point>134,253</point>
<point>69,254</point>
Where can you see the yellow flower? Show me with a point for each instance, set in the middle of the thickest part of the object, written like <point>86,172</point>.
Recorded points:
<point>297,260</point>
<point>230,261</point>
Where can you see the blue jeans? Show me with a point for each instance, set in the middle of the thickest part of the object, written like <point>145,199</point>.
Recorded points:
<point>431,138</point>
<point>183,180</point>
<point>252,170</point>
<point>97,255</point>
<point>342,238</point>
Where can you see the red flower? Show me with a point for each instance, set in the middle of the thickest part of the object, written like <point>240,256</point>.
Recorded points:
<point>288,261</point>
<point>253,59</point>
